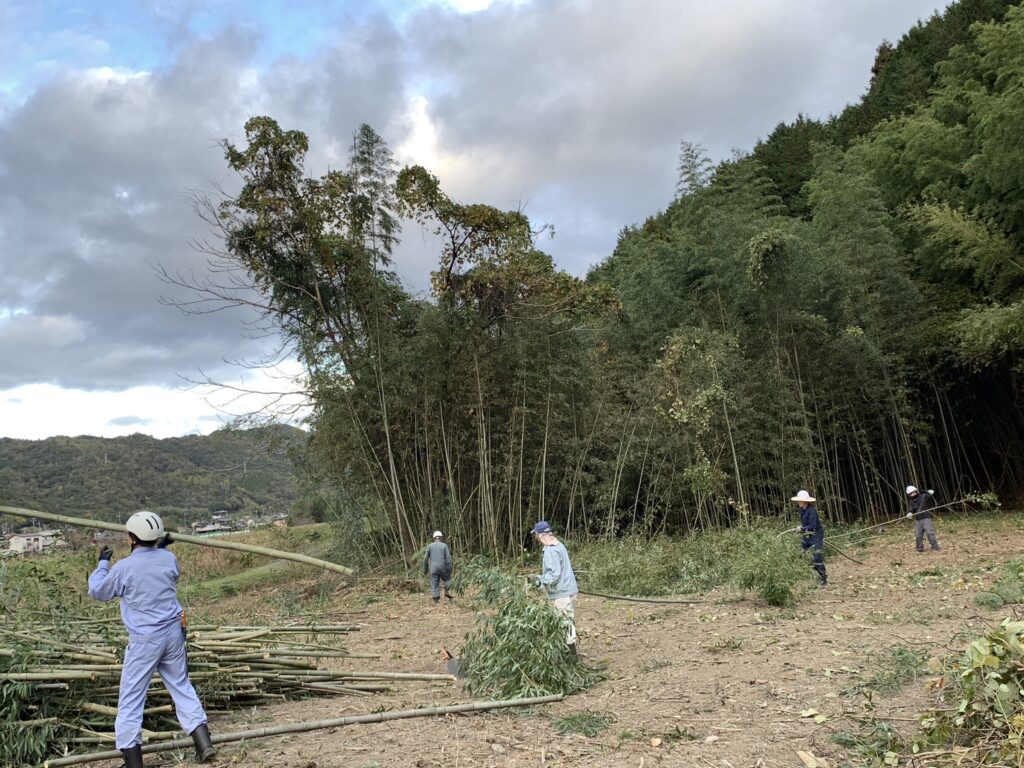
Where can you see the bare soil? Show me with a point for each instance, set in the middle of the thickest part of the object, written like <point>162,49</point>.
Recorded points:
<point>727,683</point>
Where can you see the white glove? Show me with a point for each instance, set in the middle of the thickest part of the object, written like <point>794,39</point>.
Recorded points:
<point>909,515</point>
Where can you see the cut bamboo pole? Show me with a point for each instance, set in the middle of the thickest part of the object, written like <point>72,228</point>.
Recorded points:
<point>317,725</point>
<point>181,537</point>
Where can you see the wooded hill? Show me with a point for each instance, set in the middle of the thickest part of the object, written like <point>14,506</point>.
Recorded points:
<point>841,309</point>
<point>184,477</point>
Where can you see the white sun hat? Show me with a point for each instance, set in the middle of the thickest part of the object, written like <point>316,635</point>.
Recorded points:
<point>438,535</point>
<point>802,496</point>
<point>911,489</point>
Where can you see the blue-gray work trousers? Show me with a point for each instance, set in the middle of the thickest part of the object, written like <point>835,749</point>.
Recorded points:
<point>162,651</point>
<point>436,579</point>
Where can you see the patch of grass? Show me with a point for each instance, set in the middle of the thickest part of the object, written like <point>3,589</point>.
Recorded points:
<point>921,615</point>
<point>589,722</point>
<point>677,734</point>
<point>875,743</point>
<point>266,575</point>
<point>725,644</point>
<point>896,668</point>
<point>205,563</point>
<point>655,664</point>
<point>1007,589</point>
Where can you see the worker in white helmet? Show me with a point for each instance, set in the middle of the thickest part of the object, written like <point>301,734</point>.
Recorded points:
<point>146,582</point>
<point>437,561</point>
<point>921,504</point>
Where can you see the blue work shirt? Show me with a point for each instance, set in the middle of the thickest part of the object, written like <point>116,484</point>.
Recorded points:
<point>810,525</point>
<point>147,583</point>
<point>558,577</point>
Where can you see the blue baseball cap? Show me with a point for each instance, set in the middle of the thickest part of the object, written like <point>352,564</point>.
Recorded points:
<point>542,527</point>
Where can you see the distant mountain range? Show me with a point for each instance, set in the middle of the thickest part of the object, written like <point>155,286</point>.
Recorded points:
<point>182,478</point>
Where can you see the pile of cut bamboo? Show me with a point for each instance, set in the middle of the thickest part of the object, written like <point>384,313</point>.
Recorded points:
<point>63,679</point>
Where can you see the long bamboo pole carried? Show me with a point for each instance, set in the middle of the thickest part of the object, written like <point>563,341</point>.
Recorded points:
<point>316,725</point>
<point>82,522</point>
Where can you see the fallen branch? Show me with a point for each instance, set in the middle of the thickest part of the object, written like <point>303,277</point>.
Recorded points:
<point>81,522</point>
<point>317,725</point>
<point>660,601</point>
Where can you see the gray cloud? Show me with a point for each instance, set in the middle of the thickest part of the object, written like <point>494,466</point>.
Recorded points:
<point>573,108</point>
<point>580,105</point>
<point>127,421</point>
<point>95,174</point>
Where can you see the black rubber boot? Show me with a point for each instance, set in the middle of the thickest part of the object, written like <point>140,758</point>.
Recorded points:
<point>133,757</point>
<point>204,746</point>
<point>573,652</point>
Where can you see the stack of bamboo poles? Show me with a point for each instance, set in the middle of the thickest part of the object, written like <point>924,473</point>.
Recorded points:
<point>67,676</point>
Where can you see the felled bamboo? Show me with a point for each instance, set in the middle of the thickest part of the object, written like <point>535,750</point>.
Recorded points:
<point>181,537</point>
<point>317,725</point>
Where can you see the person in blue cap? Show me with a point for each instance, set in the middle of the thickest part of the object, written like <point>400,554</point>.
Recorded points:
<point>147,583</point>
<point>813,533</point>
<point>558,579</point>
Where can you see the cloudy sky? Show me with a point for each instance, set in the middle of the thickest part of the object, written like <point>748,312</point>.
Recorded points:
<point>110,114</point>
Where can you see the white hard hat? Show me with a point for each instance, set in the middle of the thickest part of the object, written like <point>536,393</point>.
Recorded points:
<point>911,489</point>
<point>802,496</point>
<point>438,535</point>
<point>145,525</point>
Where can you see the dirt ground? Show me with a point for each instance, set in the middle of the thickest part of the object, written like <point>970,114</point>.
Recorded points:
<point>728,683</point>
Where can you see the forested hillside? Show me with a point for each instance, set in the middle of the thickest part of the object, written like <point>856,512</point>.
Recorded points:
<point>186,477</point>
<point>838,310</point>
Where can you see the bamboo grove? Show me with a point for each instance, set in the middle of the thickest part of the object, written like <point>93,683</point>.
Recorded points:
<point>839,309</point>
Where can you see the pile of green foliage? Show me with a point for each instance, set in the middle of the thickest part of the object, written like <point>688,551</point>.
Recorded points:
<point>518,645</point>
<point>756,558</point>
<point>985,721</point>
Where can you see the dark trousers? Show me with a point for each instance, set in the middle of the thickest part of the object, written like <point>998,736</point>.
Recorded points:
<point>436,579</point>
<point>816,543</point>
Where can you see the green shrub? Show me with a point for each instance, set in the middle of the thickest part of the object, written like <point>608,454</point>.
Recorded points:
<point>1008,589</point>
<point>984,718</point>
<point>756,558</point>
<point>770,565</point>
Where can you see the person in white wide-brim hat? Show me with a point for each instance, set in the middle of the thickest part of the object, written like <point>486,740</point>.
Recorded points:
<point>813,533</point>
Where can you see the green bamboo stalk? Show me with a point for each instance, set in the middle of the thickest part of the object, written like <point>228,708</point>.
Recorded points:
<point>318,725</point>
<point>181,537</point>
<point>41,640</point>
<point>308,629</point>
<point>53,674</point>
